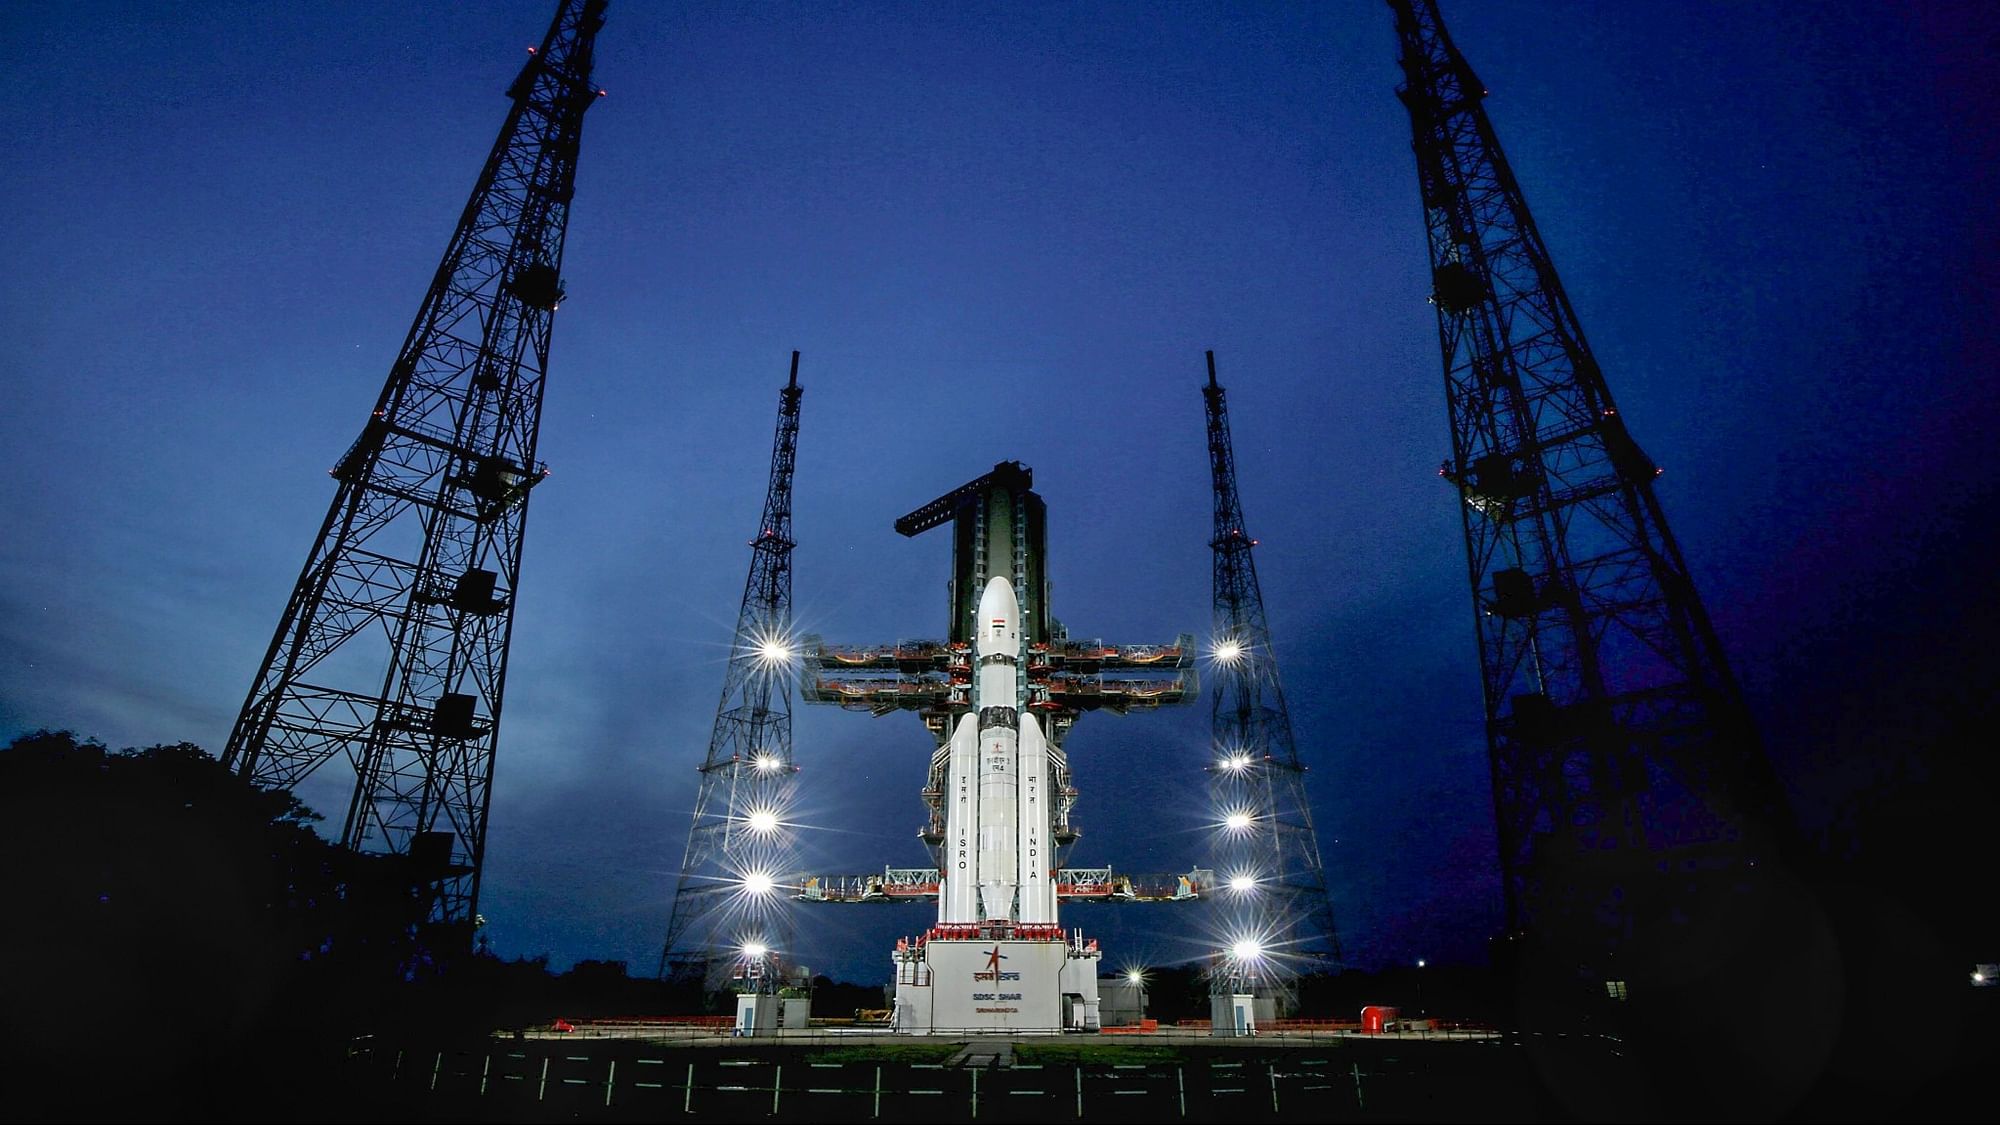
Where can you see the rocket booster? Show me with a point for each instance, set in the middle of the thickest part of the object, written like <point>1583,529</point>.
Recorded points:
<point>1037,854</point>
<point>958,901</point>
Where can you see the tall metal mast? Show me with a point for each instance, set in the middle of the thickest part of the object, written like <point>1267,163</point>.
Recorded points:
<point>1266,834</point>
<point>392,652</point>
<point>1626,776</point>
<point>747,778</point>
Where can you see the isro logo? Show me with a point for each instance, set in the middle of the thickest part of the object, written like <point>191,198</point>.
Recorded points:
<point>993,972</point>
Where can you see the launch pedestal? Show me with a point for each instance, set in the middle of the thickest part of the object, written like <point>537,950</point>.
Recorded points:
<point>949,986</point>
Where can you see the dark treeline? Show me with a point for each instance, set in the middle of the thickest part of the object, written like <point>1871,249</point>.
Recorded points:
<point>181,945</point>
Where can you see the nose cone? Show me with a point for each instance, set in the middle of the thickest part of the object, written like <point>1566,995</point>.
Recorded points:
<point>999,613</point>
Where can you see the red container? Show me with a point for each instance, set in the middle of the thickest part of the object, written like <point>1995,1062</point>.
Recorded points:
<point>1375,1019</point>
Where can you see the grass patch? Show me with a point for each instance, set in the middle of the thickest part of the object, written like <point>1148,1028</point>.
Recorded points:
<point>1079,1054</point>
<point>887,1053</point>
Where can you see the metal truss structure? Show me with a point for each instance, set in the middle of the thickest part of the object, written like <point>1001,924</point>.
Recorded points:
<point>1266,838</point>
<point>392,653</point>
<point>1073,884</point>
<point>1627,779</point>
<point>747,777</point>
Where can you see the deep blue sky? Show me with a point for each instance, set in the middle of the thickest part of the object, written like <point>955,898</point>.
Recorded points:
<point>998,232</point>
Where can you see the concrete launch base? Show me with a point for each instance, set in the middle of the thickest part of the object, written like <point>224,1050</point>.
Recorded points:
<point>1016,987</point>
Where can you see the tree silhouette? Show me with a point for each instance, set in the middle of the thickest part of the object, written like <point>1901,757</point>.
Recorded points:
<point>165,914</point>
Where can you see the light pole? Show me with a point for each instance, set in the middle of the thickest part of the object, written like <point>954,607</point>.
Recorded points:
<point>1420,987</point>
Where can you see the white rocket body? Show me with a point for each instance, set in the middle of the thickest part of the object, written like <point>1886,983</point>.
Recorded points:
<point>996,652</point>
<point>997,847</point>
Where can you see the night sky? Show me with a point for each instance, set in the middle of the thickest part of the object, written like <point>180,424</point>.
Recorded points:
<point>1002,232</point>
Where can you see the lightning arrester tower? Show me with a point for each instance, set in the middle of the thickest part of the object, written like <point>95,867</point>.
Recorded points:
<point>1628,783</point>
<point>1258,781</point>
<point>391,655</point>
<point>748,775</point>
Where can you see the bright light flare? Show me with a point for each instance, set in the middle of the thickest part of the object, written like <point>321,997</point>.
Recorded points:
<point>1136,976</point>
<point>1243,884</point>
<point>755,950</point>
<point>1237,821</point>
<point>759,883</point>
<point>1227,651</point>
<point>762,821</point>
<point>765,763</point>
<point>772,649</point>
<point>1236,763</point>
<point>1248,949</point>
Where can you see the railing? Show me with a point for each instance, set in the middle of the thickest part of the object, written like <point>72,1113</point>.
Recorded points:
<point>1085,692</point>
<point>1096,655</point>
<point>741,1080</point>
<point>608,1024</point>
<point>1095,884</point>
<point>826,1032</point>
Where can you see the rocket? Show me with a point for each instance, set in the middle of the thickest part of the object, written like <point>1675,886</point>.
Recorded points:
<point>998,826</point>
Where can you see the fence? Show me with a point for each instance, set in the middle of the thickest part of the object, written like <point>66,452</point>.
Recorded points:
<point>715,1085</point>
<point>695,1029</point>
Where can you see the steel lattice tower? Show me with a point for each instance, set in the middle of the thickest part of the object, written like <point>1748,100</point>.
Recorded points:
<point>1258,773</point>
<point>392,652</point>
<point>1627,779</point>
<point>748,770</point>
